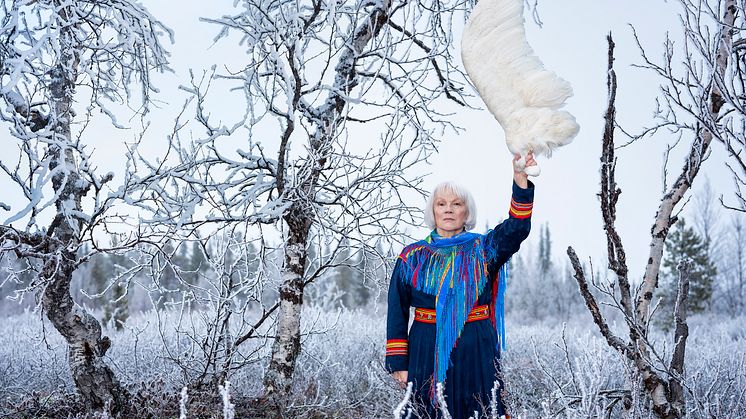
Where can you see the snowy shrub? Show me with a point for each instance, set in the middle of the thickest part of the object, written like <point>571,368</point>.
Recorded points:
<point>340,371</point>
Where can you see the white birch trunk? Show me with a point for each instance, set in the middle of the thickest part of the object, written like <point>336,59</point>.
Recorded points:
<point>286,347</point>
<point>94,380</point>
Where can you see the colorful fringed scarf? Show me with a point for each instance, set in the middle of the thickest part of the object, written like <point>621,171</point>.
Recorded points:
<point>454,270</point>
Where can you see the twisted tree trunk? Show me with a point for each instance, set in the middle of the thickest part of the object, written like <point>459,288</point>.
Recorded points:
<point>94,380</point>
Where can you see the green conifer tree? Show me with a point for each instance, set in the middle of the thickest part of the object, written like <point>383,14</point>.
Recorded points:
<point>349,277</point>
<point>168,280</point>
<point>99,273</point>
<point>545,250</point>
<point>196,263</point>
<point>683,242</point>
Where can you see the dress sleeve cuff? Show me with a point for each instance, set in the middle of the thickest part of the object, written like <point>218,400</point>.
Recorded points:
<point>522,203</point>
<point>396,363</point>
<point>397,355</point>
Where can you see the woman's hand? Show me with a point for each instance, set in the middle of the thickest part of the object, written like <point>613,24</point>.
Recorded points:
<point>519,174</point>
<point>400,377</point>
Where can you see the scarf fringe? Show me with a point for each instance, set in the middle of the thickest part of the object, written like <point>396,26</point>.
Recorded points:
<point>497,306</point>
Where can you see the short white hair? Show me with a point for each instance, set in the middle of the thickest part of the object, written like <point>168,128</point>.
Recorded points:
<point>462,193</point>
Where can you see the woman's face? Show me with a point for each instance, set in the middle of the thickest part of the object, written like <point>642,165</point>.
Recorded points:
<point>450,214</point>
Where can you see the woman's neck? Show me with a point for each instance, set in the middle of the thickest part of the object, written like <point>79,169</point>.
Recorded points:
<point>447,234</point>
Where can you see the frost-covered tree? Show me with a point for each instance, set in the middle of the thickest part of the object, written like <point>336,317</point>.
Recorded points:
<point>167,281</point>
<point>99,273</point>
<point>539,288</point>
<point>341,100</point>
<point>696,104</point>
<point>707,216</point>
<point>55,56</point>
<point>196,265</point>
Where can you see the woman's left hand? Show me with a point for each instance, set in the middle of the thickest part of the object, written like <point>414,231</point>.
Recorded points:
<point>519,175</point>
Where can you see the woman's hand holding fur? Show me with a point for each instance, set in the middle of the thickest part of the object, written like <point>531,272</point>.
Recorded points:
<point>521,169</point>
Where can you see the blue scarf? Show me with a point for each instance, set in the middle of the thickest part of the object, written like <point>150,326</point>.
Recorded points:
<point>454,270</point>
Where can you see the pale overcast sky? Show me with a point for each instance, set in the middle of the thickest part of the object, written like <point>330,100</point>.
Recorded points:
<point>572,43</point>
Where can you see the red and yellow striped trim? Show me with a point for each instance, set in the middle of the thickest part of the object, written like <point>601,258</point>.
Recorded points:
<point>396,347</point>
<point>425,315</point>
<point>520,210</point>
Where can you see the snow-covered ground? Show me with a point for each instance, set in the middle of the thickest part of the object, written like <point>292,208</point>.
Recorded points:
<point>340,373</point>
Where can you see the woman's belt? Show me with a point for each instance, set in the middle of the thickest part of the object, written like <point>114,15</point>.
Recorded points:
<point>426,315</point>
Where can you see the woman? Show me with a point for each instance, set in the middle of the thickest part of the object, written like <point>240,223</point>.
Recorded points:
<point>455,280</point>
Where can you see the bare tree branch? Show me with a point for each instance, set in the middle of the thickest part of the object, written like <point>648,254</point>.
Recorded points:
<point>590,301</point>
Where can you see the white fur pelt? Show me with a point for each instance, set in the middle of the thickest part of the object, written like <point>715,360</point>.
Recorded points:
<point>522,95</point>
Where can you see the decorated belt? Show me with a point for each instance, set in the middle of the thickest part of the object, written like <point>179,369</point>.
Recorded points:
<point>426,315</point>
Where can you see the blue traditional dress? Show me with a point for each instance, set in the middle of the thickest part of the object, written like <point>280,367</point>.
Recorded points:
<point>456,286</point>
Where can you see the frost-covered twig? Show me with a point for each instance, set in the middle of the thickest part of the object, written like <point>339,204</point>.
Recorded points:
<point>229,411</point>
<point>442,405</point>
<point>613,340</point>
<point>494,397</point>
<point>183,399</point>
<point>405,406</point>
